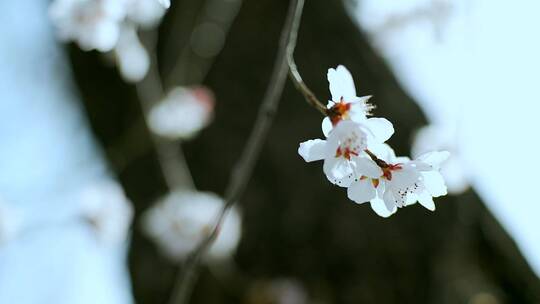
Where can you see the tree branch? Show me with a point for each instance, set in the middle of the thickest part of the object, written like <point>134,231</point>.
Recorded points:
<point>169,153</point>
<point>244,168</point>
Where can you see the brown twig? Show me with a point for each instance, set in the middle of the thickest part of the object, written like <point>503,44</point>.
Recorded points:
<point>299,82</point>
<point>243,169</point>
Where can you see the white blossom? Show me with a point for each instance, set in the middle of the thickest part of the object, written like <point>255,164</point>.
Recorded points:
<point>345,105</point>
<point>182,113</point>
<point>132,58</point>
<point>146,13</point>
<point>165,3</point>
<point>105,206</point>
<point>91,24</point>
<point>343,153</point>
<point>182,219</point>
<point>109,25</point>
<point>438,137</point>
<point>400,182</point>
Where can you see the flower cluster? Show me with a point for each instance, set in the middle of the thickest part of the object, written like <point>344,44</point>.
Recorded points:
<point>109,25</point>
<point>356,156</point>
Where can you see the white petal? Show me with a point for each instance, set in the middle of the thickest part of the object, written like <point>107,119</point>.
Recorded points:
<point>435,158</point>
<point>359,110</point>
<point>426,200</point>
<point>312,150</point>
<point>165,3</point>
<point>434,183</point>
<point>381,128</point>
<point>338,171</point>
<point>383,151</point>
<point>404,178</point>
<point>361,191</point>
<point>381,208</point>
<point>327,126</point>
<point>390,200</point>
<point>341,84</point>
<point>132,58</point>
<point>367,167</point>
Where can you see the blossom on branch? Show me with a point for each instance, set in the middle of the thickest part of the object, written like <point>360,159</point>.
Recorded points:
<point>182,219</point>
<point>107,210</point>
<point>109,25</point>
<point>401,182</point>
<point>182,113</point>
<point>92,24</point>
<point>355,154</point>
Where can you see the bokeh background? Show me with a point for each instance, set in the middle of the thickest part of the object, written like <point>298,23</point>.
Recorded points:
<point>465,68</point>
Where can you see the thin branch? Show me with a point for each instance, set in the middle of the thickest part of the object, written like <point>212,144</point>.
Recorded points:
<point>244,168</point>
<point>170,156</point>
<point>189,66</point>
<point>299,82</point>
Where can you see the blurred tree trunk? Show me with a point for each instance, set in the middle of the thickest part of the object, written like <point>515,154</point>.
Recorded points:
<point>295,223</point>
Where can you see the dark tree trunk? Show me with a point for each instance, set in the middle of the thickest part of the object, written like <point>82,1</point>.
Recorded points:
<point>295,223</point>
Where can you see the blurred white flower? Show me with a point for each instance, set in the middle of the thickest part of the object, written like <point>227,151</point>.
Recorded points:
<point>165,3</point>
<point>108,210</point>
<point>182,219</point>
<point>182,113</point>
<point>91,24</point>
<point>10,222</point>
<point>434,137</point>
<point>146,13</point>
<point>131,57</point>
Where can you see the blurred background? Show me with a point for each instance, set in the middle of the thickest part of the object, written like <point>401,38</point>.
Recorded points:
<point>121,121</point>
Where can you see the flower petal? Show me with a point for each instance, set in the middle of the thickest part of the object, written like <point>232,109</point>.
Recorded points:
<point>361,191</point>
<point>367,167</point>
<point>379,206</point>
<point>341,84</point>
<point>327,126</point>
<point>381,128</point>
<point>434,183</point>
<point>426,200</point>
<point>435,158</point>
<point>312,150</point>
<point>338,170</point>
<point>359,109</point>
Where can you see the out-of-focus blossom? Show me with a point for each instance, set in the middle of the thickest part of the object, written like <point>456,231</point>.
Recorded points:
<point>146,13</point>
<point>182,219</point>
<point>132,58</point>
<point>91,24</point>
<point>434,137</point>
<point>182,113</point>
<point>10,222</point>
<point>105,206</point>
<point>165,3</point>
<point>107,25</point>
<point>401,182</point>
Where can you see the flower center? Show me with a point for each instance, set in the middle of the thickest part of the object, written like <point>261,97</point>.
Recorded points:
<point>387,170</point>
<point>339,111</point>
<point>351,145</point>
